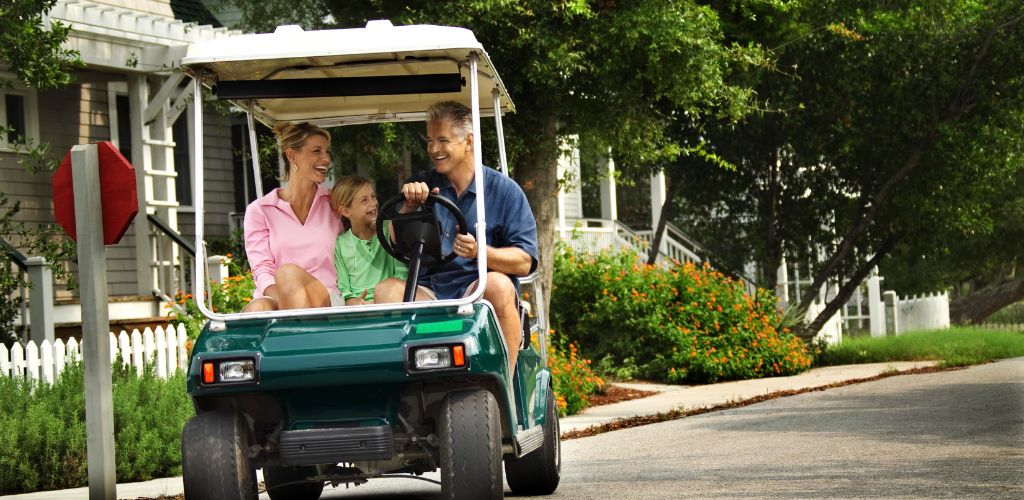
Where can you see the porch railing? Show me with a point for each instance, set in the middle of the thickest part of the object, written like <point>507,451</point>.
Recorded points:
<point>36,321</point>
<point>18,260</point>
<point>592,235</point>
<point>172,260</point>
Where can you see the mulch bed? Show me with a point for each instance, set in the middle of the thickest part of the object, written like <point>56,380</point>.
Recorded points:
<point>616,394</point>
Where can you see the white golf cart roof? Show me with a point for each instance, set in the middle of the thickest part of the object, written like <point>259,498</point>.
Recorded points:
<point>380,73</point>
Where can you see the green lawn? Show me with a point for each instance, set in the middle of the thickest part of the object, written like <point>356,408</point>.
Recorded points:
<point>958,346</point>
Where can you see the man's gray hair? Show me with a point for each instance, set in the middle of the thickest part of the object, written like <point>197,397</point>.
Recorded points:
<point>455,113</point>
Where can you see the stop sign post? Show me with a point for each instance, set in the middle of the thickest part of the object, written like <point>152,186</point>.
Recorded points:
<point>95,201</point>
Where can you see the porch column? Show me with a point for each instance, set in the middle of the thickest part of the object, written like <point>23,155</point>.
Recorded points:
<point>876,308</point>
<point>138,97</point>
<point>782,283</point>
<point>41,300</point>
<point>658,196</point>
<point>609,205</point>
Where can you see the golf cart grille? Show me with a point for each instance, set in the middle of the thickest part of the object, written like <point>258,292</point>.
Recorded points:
<point>329,446</point>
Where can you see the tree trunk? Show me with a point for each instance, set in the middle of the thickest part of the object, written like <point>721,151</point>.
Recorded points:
<point>772,257</point>
<point>537,173</point>
<point>870,212</point>
<point>980,304</point>
<point>659,232</point>
<point>845,292</point>
<point>960,104</point>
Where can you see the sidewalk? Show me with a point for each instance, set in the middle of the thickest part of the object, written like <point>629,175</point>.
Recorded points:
<point>669,397</point>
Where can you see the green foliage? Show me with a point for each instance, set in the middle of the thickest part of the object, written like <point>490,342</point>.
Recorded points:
<point>31,49</point>
<point>46,240</point>
<point>43,446</point>
<point>1012,314</point>
<point>229,296</point>
<point>951,347</point>
<point>894,121</point>
<point>232,247</point>
<point>677,324</point>
<point>619,72</point>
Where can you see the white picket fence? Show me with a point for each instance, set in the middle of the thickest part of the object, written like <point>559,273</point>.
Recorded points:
<point>164,348</point>
<point>923,312</point>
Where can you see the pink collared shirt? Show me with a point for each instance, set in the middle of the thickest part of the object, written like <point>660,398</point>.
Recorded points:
<point>274,237</point>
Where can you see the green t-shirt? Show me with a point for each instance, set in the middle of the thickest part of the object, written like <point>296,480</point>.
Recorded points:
<point>361,264</point>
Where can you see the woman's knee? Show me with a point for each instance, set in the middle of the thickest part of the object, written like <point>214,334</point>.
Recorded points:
<point>289,273</point>
<point>260,304</point>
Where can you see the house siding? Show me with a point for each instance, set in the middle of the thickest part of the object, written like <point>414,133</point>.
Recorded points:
<point>218,180</point>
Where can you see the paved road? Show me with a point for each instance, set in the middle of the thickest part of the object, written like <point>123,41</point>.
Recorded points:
<point>957,434</point>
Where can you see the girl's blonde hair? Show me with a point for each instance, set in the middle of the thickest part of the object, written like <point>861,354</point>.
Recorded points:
<point>344,191</point>
<point>293,136</point>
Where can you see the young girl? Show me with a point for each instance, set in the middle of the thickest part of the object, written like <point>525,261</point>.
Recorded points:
<point>359,260</point>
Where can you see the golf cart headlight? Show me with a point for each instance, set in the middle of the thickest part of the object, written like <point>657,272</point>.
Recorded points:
<point>432,358</point>
<point>237,371</point>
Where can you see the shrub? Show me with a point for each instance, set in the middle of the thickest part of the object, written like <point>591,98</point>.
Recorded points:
<point>573,379</point>
<point>43,443</point>
<point>677,324</point>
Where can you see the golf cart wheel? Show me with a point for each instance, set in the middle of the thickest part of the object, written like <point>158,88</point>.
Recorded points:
<point>285,483</point>
<point>214,460</point>
<point>471,446</point>
<point>538,472</point>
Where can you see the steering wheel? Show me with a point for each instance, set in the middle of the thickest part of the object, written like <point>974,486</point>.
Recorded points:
<point>417,234</point>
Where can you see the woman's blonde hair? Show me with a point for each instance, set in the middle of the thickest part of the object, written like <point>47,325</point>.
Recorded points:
<point>293,136</point>
<point>344,191</point>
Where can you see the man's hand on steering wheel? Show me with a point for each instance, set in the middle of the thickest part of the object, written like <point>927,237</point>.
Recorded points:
<point>416,194</point>
<point>465,245</point>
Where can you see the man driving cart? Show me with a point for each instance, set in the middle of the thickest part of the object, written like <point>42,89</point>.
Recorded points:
<point>511,232</point>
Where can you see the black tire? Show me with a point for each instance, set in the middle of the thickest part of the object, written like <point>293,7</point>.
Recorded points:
<point>538,472</point>
<point>283,483</point>
<point>214,460</point>
<point>471,447</point>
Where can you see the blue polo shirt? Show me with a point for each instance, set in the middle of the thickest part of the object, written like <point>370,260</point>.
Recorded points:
<point>510,223</point>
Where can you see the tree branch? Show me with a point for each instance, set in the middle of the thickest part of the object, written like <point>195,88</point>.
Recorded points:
<point>847,289</point>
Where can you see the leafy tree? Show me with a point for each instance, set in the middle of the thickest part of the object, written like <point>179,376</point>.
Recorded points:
<point>620,71</point>
<point>892,120</point>
<point>31,49</point>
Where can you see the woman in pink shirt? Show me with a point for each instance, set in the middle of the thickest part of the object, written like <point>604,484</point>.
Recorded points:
<point>291,231</point>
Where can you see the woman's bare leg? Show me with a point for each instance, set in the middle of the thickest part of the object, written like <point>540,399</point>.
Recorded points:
<point>298,289</point>
<point>260,304</point>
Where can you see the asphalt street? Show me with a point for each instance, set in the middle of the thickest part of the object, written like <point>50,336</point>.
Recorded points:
<point>954,434</point>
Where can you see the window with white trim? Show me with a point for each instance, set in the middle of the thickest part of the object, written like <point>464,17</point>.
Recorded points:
<point>19,117</point>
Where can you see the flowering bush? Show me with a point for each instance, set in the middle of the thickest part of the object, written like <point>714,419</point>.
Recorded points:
<point>573,379</point>
<point>678,324</point>
<point>228,296</point>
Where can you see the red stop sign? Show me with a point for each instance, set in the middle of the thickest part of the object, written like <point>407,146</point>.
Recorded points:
<point>117,194</point>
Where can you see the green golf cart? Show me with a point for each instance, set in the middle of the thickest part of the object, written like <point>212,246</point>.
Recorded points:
<point>343,395</point>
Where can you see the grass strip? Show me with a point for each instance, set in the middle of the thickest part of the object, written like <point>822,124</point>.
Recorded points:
<point>960,346</point>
